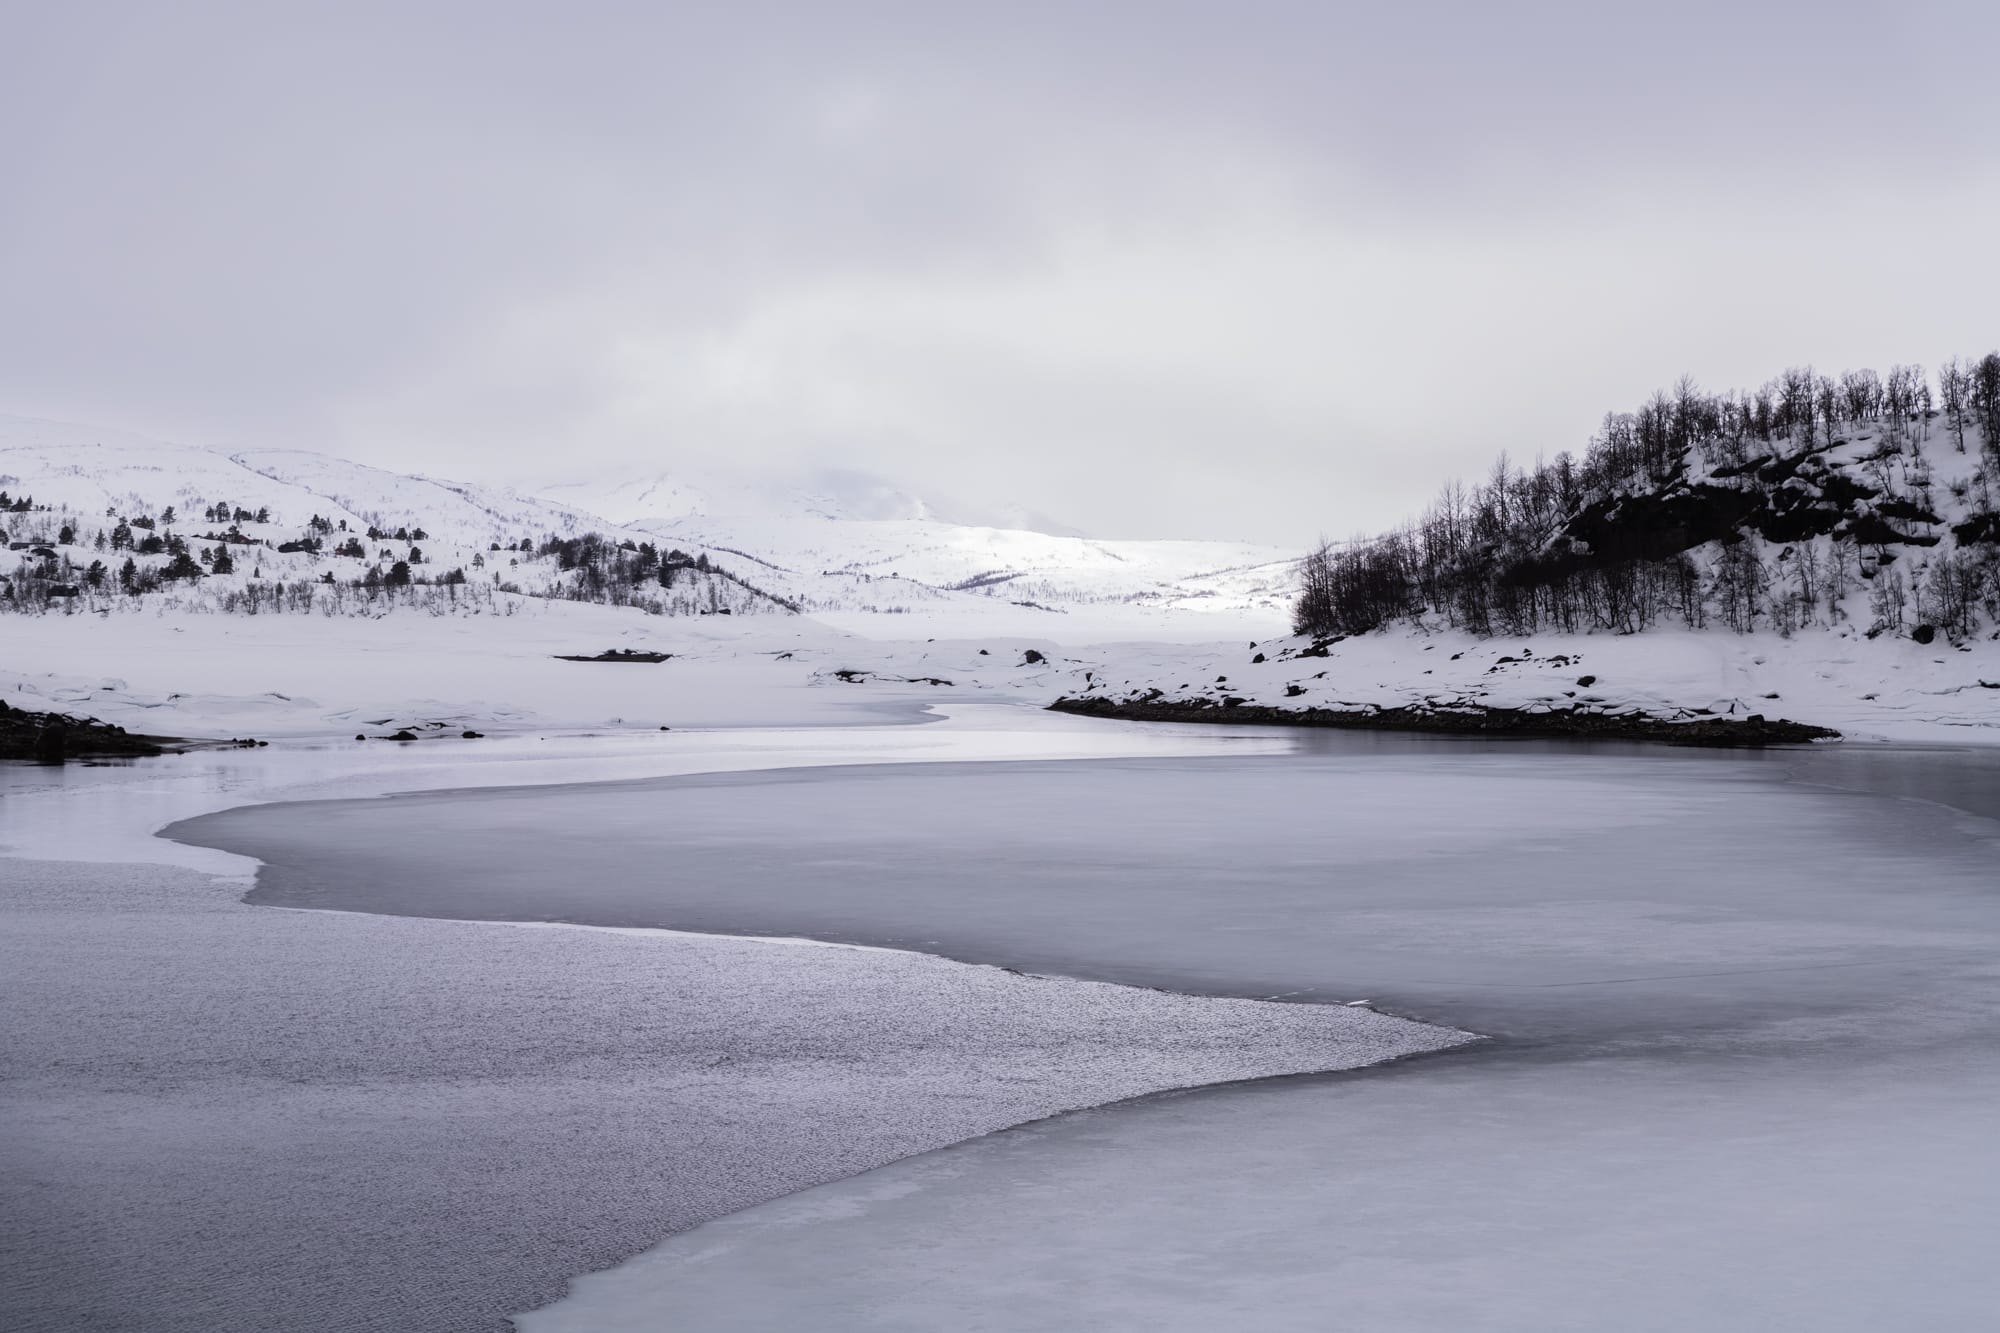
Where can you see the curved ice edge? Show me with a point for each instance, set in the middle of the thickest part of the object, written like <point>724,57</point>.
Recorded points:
<point>1466,1036</point>
<point>580,1287</point>
<point>643,931</point>
<point>1447,1039</point>
<point>1424,1039</point>
<point>808,942</point>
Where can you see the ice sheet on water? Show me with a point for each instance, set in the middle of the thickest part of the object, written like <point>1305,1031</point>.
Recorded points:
<point>1474,1194</point>
<point>1750,1088</point>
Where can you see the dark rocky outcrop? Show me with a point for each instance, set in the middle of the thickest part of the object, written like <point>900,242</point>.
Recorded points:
<point>614,655</point>
<point>1755,730</point>
<point>856,676</point>
<point>52,738</point>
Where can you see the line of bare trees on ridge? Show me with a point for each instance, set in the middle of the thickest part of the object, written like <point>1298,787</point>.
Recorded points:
<point>1741,508</point>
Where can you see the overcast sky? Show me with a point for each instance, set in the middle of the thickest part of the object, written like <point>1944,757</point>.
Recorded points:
<point>1235,270</point>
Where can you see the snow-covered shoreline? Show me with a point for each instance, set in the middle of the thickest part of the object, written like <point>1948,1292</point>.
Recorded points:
<point>326,681</point>
<point>1883,689</point>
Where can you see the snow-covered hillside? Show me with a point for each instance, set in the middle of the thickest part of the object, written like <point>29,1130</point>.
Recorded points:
<point>110,522</point>
<point>1808,505</point>
<point>850,547</point>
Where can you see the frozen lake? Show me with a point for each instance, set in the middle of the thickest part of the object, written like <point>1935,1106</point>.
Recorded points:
<point>1482,884</point>
<point>1746,1010</point>
<point>217,1117</point>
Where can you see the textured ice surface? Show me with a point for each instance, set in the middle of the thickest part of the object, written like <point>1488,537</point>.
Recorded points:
<point>220,1117</point>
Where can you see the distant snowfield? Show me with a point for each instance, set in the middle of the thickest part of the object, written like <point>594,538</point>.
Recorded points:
<point>323,679</point>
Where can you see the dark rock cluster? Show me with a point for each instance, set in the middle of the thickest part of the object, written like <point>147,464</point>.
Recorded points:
<point>52,738</point>
<point>1755,730</point>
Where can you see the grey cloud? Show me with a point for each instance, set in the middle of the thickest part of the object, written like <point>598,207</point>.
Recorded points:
<point>877,235</point>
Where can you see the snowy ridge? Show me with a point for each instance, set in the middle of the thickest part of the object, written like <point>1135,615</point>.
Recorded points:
<point>851,544</point>
<point>468,514</point>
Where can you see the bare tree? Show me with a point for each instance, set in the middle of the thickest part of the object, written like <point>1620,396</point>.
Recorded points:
<point>1984,395</point>
<point>1954,392</point>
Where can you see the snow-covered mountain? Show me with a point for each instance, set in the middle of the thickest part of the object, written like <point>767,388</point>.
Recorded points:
<point>848,540</point>
<point>841,542</point>
<point>881,563</point>
<point>823,493</point>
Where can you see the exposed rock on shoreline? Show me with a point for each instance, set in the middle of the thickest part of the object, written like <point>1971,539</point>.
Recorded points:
<point>614,655</point>
<point>52,738</point>
<point>1755,730</point>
